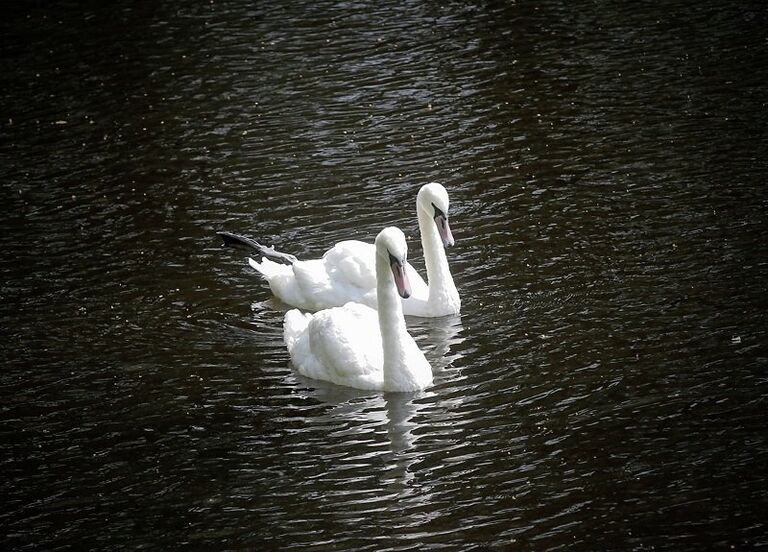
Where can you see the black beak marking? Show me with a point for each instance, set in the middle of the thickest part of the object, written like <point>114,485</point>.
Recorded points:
<point>393,259</point>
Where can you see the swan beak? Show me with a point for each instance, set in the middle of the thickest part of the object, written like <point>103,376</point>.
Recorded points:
<point>444,229</point>
<point>401,279</point>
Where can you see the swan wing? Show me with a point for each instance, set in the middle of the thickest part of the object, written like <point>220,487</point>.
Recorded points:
<point>352,263</point>
<point>342,275</point>
<point>351,267</point>
<point>345,346</point>
<point>316,285</point>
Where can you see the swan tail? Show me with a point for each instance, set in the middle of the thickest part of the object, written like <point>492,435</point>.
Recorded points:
<point>294,325</point>
<point>282,281</point>
<point>241,242</point>
<point>270,269</point>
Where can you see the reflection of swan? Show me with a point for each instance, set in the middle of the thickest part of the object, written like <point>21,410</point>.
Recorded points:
<point>400,410</point>
<point>439,338</point>
<point>357,346</point>
<point>347,271</point>
<point>380,425</point>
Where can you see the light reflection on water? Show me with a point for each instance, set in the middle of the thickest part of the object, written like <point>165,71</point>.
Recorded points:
<point>604,386</point>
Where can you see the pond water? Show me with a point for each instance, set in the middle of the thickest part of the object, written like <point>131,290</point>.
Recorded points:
<point>606,384</point>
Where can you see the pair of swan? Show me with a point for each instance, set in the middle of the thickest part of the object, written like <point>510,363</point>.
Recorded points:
<point>348,342</point>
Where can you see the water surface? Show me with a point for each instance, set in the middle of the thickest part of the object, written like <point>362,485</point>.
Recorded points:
<point>604,387</point>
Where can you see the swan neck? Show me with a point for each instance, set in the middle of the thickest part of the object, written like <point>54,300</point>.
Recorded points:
<point>391,320</point>
<point>439,277</point>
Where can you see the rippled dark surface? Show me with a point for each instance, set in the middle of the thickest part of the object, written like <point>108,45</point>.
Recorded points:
<point>605,385</point>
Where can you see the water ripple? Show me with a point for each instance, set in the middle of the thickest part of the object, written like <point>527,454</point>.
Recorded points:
<point>604,386</point>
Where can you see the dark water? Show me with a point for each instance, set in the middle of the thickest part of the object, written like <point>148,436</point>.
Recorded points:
<point>606,385</point>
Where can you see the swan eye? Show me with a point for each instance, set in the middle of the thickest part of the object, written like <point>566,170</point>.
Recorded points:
<point>393,259</point>
<point>438,212</point>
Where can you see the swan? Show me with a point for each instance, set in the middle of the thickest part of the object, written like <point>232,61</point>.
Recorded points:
<point>357,346</point>
<point>347,271</point>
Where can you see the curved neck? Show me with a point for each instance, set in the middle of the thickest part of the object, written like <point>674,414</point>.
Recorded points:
<point>391,322</point>
<point>439,279</point>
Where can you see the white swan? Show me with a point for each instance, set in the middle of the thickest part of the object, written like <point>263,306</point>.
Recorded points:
<point>356,346</point>
<point>347,271</point>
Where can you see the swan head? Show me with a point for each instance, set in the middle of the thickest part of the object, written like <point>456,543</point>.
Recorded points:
<point>433,200</point>
<point>392,247</point>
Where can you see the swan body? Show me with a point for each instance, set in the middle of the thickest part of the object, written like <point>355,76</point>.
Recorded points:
<point>347,271</point>
<point>357,346</point>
